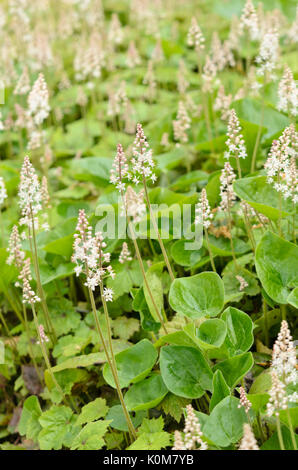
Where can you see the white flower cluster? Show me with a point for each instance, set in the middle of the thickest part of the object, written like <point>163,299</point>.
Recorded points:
<point>284,355</point>
<point>16,254</point>
<point>3,192</point>
<point>150,80</point>
<point>227,194</point>
<point>249,21</point>
<point>278,397</point>
<point>115,34</point>
<point>195,36</point>
<point>125,254</point>
<point>182,83</point>
<point>88,254</point>
<point>181,124</point>
<point>248,441</point>
<point>280,165</point>
<point>242,282</point>
<point>221,53</point>
<point>119,170</point>
<point>23,84</point>
<point>133,57</point>
<point>192,433</point>
<point>30,198</point>
<point>268,54</point>
<point>142,161</point>
<point>244,401</point>
<point>29,295</point>
<point>222,103</point>
<point>38,101</point>
<point>288,93</point>
<point>203,211</point>
<point>117,100</point>
<point>134,204</point>
<point>235,141</point>
<point>42,335</point>
<point>209,75</point>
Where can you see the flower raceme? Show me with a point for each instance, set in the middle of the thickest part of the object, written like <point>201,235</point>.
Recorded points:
<point>235,142</point>
<point>203,211</point>
<point>281,164</point>
<point>89,256</point>
<point>38,101</point>
<point>30,196</point>
<point>288,93</point>
<point>3,192</point>
<point>139,167</point>
<point>192,439</point>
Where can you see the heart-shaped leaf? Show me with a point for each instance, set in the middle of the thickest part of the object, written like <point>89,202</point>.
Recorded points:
<point>262,196</point>
<point>235,368</point>
<point>224,426</point>
<point>185,371</point>
<point>198,296</point>
<point>146,394</point>
<point>239,331</point>
<point>276,265</point>
<point>133,364</point>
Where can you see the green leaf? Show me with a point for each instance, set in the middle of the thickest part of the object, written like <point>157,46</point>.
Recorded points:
<point>235,368</point>
<point>146,394</point>
<point>273,442</point>
<point>95,169</point>
<point>29,424</point>
<point>153,276</point>
<point>153,441</point>
<point>185,371</point>
<point>293,298</point>
<point>173,405</point>
<point>220,389</point>
<point>185,257</point>
<point>151,425</point>
<point>118,420</point>
<point>222,246</point>
<point>262,196</point>
<point>225,423</point>
<point>197,296</point>
<point>276,265</point>
<point>239,337</point>
<point>125,327</point>
<point>258,401</point>
<point>211,333</point>
<point>91,436</point>
<point>133,364</point>
<point>92,411</point>
<point>262,383</point>
<point>58,425</point>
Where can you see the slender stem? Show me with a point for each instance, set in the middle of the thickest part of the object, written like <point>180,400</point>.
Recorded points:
<point>30,344</point>
<point>283,309</point>
<point>238,166</point>
<point>279,433</point>
<point>291,429</point>
<point>231,239</point>
<point>144,276</point>
<point>38,280</point>
<point>111,362</point>
<point>258,138</point>
<point>152,217</point>
<point>140,261</point>
<point>44,353</point>
<point>265,313</point>
<point>209,249</point>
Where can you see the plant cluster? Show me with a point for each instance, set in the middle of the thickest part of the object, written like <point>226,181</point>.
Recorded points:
<point>134,337</point>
